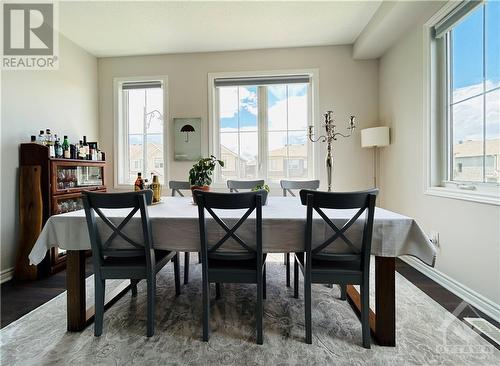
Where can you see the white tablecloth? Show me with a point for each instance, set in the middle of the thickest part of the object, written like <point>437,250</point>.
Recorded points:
<point>175,227</point>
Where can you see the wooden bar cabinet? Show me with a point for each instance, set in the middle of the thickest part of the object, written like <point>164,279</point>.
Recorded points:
<point>49,186</point>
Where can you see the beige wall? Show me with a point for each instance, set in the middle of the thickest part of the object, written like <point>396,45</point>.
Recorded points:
<point>347,86</point>
<point>469,232</point>
<point>64,101</point>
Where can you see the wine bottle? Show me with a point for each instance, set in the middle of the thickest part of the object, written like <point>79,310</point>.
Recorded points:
<point>66,148</point>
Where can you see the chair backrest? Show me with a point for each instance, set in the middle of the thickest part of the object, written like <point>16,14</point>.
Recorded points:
<point>363,201</point>
<point>288,185</point>
<point>208,201</point>
<point>235,185</point>
<point>93,204</point>
<point>177,185</point>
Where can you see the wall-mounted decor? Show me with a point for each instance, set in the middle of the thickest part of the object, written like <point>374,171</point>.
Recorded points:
<point>187,139</point>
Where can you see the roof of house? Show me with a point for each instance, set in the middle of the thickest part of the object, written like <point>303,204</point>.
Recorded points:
<point>227,151</point>
<point>475,148</point>
<point>293,151</point>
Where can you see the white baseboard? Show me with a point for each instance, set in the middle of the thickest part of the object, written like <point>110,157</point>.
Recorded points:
<point>472,297</point>
<point>6,274</point>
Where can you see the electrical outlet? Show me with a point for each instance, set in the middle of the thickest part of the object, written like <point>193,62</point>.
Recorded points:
<point>434,238</point>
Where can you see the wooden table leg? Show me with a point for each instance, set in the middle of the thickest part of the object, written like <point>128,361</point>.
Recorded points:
<point>78,315</point>
<point>75,284</point>
<point>385,301</point>
<point>383,320</point>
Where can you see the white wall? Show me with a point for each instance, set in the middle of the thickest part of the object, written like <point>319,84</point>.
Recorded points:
<point>64,101</point>
<point>346,86</point>
<point>469,232</point>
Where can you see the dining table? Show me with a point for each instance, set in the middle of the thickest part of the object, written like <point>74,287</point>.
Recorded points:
<point>175,226</point>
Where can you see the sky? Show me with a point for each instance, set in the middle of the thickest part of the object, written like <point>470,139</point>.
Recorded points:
<point>467,73</point>
<point>286,109</point>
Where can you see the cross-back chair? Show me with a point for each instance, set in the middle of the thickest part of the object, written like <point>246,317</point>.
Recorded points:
<point>287,186</point>
<point>321,265</point>
<point>224,266</point>
<point>236,185</point>
<point>177,186</point>
<point>130,259</point>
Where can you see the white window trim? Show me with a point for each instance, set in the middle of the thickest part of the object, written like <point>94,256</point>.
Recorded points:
<point>434,146</point>
<point>213,131</point>
<point>118,133</point>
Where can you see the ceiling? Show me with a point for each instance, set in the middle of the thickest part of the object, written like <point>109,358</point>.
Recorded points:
<point>138,28</point>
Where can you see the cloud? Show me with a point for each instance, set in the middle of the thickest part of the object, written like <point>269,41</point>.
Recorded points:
<point>228,97</point>
<point>297,114</point>
<point>468,114</point>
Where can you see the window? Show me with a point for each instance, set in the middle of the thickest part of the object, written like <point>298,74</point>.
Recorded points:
<point>261,127</point>
<point>158,163</point>
<point>466,61</point>
<point>140,130</point>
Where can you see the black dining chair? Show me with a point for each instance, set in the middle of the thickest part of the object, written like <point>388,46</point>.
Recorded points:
<point>177,187</point>
<point>222,266</point>
<point>236,185</point>
<point>287,186</point>
<point>345,268</point>
<point>129,259</point>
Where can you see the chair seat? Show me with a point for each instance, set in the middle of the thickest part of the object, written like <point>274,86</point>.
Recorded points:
<point>237,271</point>
<point>327,269</point>
<point>137,264</point>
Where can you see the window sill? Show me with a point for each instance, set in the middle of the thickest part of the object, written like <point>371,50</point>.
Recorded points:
<point>477,197</point>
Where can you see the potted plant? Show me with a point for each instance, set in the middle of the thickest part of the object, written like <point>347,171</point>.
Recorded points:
<point>265,191</point>
<point>200,175</point>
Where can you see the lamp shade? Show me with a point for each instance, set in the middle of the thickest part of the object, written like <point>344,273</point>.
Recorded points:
<point>375,137</point>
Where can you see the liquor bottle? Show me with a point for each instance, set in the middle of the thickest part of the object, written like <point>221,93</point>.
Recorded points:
<point>73,151</point>
<point>92,151</point>
<point>86,148</point>
<point>41,138</point>
<point>48,137</point>
<point>50,143</point>
<point>139,183</point>
<point>66,148</point>
<point>58,148</point>
<point>33,138</point>
<point>81,150</point>
<point>156,188</point>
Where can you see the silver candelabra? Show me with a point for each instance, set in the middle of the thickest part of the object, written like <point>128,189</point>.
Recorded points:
<point>329,137</point>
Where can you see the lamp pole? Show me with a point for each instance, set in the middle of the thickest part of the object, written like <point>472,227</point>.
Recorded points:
<point>330,136</point>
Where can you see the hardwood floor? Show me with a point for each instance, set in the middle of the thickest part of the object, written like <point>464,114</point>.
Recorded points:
<point>19,298</point>
<point>442,296</point>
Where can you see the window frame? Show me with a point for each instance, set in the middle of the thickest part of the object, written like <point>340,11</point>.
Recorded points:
<point>120,131</point>
<point>214,133</point>
<point>437,128</point>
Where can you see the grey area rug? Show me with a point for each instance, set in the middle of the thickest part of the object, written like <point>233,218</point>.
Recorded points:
<point>426,332</point>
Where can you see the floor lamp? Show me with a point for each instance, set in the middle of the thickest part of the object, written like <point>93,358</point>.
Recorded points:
<point>375,137</point>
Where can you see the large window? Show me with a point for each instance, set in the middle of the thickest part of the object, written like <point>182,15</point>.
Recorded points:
<point>140,131</point>
<point>474,96</point>
<point>261,127</point>
<point>468,73</point>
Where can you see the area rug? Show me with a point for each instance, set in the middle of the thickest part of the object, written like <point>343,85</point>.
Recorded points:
<point>427,334</point>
